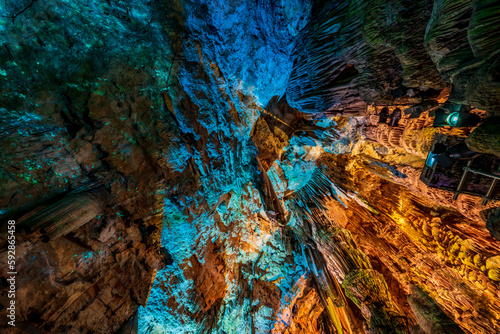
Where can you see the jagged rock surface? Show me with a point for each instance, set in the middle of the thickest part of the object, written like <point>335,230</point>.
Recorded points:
<point>193,166</point>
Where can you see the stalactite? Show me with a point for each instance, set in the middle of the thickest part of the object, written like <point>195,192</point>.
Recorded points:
<point>67,214</point>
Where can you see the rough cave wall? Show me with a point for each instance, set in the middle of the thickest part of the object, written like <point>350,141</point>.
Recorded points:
<point>357,57</point>
<point>256,277</point>
<point>162,179</point>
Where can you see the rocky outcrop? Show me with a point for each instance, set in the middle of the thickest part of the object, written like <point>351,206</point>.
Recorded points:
<point>83,158</point>
<point>460,42</point>
<point>366,287</point>
<point>428,246</point>
<point>493,223</point>
<point>486,137</point>
<point>430,318</point>
<point>353,54</point>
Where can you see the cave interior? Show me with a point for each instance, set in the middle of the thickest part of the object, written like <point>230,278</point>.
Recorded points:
<point>250,166</point>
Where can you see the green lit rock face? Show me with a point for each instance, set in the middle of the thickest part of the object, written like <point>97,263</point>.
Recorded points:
<point>79,82</point>
<point>82,111</point>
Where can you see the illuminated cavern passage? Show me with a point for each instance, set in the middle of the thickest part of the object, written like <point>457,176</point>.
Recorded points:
<point>251,166</point>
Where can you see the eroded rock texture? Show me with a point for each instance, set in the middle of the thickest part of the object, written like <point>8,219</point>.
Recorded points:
<point>246,166</point>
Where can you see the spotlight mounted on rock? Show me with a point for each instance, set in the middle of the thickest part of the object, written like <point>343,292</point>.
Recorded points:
<point>455,115</point>
<point>453,119</point>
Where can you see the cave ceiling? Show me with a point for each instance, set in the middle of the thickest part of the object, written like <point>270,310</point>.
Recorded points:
<point>250,166</point>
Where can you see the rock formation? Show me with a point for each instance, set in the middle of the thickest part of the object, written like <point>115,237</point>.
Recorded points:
<point>250,166</point>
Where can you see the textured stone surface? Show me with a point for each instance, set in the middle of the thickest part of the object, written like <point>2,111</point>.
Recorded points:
<point>224,167</point>
<point>430,317</point>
